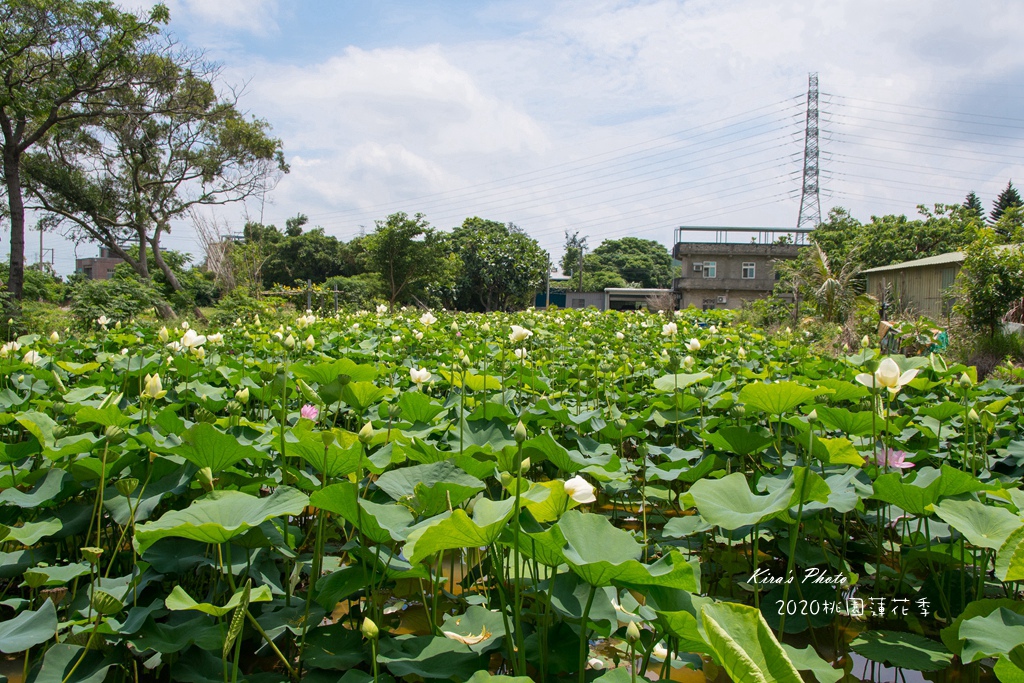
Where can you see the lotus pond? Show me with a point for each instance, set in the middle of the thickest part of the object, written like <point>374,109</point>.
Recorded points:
<point>549,496</point>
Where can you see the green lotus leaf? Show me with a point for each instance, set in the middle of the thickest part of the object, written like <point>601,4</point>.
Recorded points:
<point>670,383</point>
<point>459,530</point>
<point>46,491</point>
<point>942,411</point>
<point>29,533</point>
<point>778,397</point>
<point>169,638</point>
<point>849,422</point>
<point>1010,558</point>
<point>995,634</point>
<point>56,576</point>
<point>39,425</point>
<point>740,440</point>
<point>28,629</point>
<point>65,663</point>
<point>337,460</point>
<point>206,446</point>
<point>983,525</point>
<point>325,373</point>
<point>978,608</point>
<point>432,487</point>
<point>809,660</point>
<point>429,657</point>
<point>80,369</point>
<point>480,628</point>
<point>603,555</point>
<point>743,645</point>
<point>418,407</point>
<point>903,650</point>
<point>843,390</point>
<point>1007,671</point>
<point>178,600</point>
<point>488,677</point>
<point>362,395</point>
<point>380,523</point>
<point>926,488</point>
<point>220,516</point>
<point>548,508</point>
<point>107,416</point>
<point>729,503</point>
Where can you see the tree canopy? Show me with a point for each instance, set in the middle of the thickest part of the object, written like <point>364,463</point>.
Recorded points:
<point>638,262</point>
<point>410,256</point>
<point>1007,199</point>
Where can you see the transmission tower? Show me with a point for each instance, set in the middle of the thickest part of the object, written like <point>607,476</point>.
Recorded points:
<point>810,201</point>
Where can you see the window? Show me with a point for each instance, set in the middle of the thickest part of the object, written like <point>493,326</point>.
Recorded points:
<point>709,269</point>
<point>748,271</point>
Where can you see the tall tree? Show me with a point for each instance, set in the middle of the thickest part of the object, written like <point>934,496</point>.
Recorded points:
<point>175,144</point>
<point>1009,197</point>
<point>410,257</point>
<point>973,205</point>
<point>990,281</point>
<point>572,257</point>
<point>502,267</point>
<point>644,263</point>
<point>60,62</point>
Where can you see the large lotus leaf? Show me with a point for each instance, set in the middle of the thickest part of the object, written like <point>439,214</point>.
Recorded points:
<point>977,608</point>
<point>169,638</point>
<point>206,446</point>
<point>729,503</point>
<point>56,576</point>
<point>429,657</point>
<point>488,436</point>
<point>809,660</point>
<point>337,460</point>
<point>903,650</point>
<point>942,411</point>
<point>1010,558</point>
<point>178,600</point>
<point>325,373</point>
<point>843,390</point>
<point>460,531</point>
<point>669,383</point>
<point>13,452</point>
<point>488,677</point>
<point>744,646</point>
<point>480,628</point>
<point>28,629</point>
<point>602,555</point>
<point>39,425</point>
<point>418,407</point>
<point>220,516</point>
<point>991,635</point>
<point>778,397</point>
<point>837,452</point>
<point>29,533</point>
<point>739,440</point>
<point>108,416</point>
<point>380,523</point>
<point>362,395</point>
<point>1007,671</point>
<point>926,488</point>
<point>983,525</point>
<point>65,663</point>
<point>550,507</point>
<point>544,447</point>
<point>45,491</point>
<point>432,487</point>
<point>145,499</point>
<point>683,625</point>
<point>849,422</point>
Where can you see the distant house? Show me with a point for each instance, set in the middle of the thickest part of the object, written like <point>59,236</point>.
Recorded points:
<point>726,273</point>
<point>99,267</point>
<point>920,286</point>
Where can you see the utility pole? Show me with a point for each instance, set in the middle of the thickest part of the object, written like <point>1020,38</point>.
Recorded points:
<point>581,269</point>
<point>810,200</point>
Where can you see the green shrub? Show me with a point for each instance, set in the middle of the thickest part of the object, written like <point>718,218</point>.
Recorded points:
<point>358,291</point>
<point>39,317</point>
<point>236,305</point>
<point>118,299</point>
<point>766,313</point>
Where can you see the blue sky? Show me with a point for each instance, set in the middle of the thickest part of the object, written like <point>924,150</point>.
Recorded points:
<point>613,118</point>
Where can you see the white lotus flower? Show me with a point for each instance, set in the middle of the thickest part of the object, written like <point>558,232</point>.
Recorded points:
<point>199,352</point>
<point>184,324</point>
<point>428,318</point>
<point>163,335</point>
<point>175,346</point>
<point>289,342</point>
<point>54,337</point>
<point>192,340</point>
<point>887,375</point>
<point>741,352</point>
<point>580,490</point>
<point>215,338</point>
<point>669,329</point>
<point>419,375</point>
<point>688,362</point>
<point>469,640</point>
<point>103,321</point>
<point>397,338</point>
<point>693,345</point>
<point>620,336</point>
<point>520,354</point>
<point>9,348</point>
<point>154,388</point>
<point>519,334</point>
<point>382,309</point>
<point>713,330</point>
<point>309,343</point>
<point>33,358</point>
<point>418,335</point>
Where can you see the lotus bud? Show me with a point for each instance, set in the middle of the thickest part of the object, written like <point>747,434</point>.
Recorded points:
<point>35,578</point>
<point>126,486</point>
<point>520,432</point>
<point>163,335</point>
<point>205,475</point>
<point>58,407</point>
<point>486,328</point>
<point>115,435</point>
<point>739,411</point>
<point>92,555</point>
<point>233,408</point>
<point>309,343</point>
<point>506,479</point>
<point>812,417</point>
<point>632,632</point>
<point>525,466</point>
<point>965,381</point>
<point>54,337</point>
<point>455,326</point>
<point>394,411</point>
<point>621,424</point>
<point>369,629</point>
<point>289,342</point>
<point>366,433</point>
<point>865,342</point>
<point>972,415</point>
<point>242,396</point>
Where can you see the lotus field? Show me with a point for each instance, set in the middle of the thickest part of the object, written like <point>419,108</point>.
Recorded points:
<point>547,496</point>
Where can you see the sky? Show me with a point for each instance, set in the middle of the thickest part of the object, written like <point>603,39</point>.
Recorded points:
<point>610,118</point>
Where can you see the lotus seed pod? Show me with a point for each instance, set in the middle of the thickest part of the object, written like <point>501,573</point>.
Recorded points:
<point>204,415</point>
<point>344,379</point>
<point>59,406</point>
<point>233,408</point>
<point>267,375</point>
<point>60,431</point>
<point>520,432</point>
<point>105,603</point>
<point>126,486</point>
<point>92,555</point>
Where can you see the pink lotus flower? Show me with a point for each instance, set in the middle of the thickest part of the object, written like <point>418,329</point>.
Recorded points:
<point>894,459</point>
<point>309,412</point>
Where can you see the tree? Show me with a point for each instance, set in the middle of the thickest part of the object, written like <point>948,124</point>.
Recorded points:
<point>174,145</point>
<point>572,258</point>
<point>502,267</point>
<point>973,205</point>
<point>645,263</point>
<point>990,281</point>
<point>894,239</point>
<point>1008,198</point>
<point>839,235</point>
<point>60,63</point>
<point>307,256</point>
<point>410,257</point>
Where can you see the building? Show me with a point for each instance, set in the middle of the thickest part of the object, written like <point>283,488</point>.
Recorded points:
<point>612,299</point>
<point>98,267</point>
<point>727,272</point>
<point>920,286</point>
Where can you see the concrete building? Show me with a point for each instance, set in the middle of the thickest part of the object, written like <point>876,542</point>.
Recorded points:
<point>725,273</point>
<point>98,267</point>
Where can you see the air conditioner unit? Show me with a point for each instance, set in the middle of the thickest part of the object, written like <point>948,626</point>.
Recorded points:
<point>698,267</point>
<point>721,300</point>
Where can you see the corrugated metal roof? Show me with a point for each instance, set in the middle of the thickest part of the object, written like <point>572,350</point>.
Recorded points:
<point>949,257</point>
